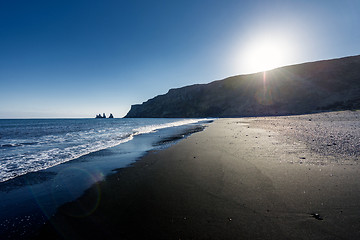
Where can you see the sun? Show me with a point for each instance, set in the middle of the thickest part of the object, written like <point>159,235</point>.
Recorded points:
<point>265,54</point>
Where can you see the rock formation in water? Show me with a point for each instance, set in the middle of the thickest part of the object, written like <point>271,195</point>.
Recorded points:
<point>104,116</point>
<point>101,116</point>
<point>297,89</point>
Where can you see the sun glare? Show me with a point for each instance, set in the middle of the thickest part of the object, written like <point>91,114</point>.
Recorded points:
<point>265,54</point>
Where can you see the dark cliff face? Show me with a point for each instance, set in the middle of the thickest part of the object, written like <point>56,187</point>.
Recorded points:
<point>303,88</point>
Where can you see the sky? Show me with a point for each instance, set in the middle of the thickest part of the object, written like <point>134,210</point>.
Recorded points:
<point>78,58</point>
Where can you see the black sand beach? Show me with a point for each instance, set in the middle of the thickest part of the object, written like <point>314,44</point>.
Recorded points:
<point>249,178</point>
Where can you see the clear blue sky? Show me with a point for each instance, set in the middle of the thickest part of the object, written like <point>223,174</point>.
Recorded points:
<point>77,58</point>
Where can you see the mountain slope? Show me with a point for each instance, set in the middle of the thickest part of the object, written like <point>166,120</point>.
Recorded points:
<point>302,88</point>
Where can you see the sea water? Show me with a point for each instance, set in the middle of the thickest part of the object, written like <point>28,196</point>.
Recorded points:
<point>46,163</point>
<point>29,145</point>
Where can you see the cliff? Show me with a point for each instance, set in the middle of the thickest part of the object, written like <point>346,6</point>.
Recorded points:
<point>302,88</point>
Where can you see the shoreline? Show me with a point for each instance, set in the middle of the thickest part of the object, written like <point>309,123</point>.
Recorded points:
<point>28,201</point>
<point>236,179</point>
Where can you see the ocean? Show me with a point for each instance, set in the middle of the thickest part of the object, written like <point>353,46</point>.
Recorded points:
<point>45,163</point>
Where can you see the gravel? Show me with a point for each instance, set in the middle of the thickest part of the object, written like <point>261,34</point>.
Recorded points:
<point>331,133</point>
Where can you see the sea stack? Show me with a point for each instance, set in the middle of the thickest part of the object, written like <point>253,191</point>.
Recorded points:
<point>99,116</point>
<point>104,116</point>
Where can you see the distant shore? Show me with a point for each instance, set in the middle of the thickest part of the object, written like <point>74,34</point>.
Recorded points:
<point>291,177</point>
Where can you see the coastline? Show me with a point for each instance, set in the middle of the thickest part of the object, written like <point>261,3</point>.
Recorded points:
<point>28,201</point>
<point>239,178</point>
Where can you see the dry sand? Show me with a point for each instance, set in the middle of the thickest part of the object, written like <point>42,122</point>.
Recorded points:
<point>246,178</point>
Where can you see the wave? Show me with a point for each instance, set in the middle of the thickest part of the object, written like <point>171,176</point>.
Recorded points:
<point>7,145</point>
<point>26,163</point>
<point>10,145</point>
<point>71,146</point>
<point>153,128</point>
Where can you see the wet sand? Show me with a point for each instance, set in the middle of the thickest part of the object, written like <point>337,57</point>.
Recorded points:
<point>246,178</point>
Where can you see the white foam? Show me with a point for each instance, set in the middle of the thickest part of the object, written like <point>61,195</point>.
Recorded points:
<point>152,128</point>
<point>53,150</point>
<point>52,157</point>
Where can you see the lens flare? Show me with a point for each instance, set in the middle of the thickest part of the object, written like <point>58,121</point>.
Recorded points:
<point>85,178</point>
